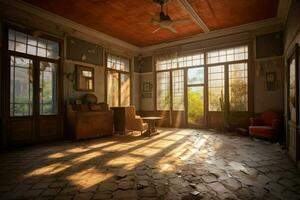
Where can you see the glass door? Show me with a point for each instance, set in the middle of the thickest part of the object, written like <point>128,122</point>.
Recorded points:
<point>21,87</point>
<point>195,97</point>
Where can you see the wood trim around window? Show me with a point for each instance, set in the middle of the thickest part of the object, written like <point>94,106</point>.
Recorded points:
<point>106,69</point>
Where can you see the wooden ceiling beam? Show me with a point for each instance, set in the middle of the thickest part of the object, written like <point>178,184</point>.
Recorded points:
<point>190,10</point>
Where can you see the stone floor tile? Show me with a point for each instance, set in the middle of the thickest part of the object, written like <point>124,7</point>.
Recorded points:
<point>170,165</point>
<point>83,196</point>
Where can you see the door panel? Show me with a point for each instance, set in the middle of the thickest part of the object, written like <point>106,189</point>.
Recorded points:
<point>21,130</point>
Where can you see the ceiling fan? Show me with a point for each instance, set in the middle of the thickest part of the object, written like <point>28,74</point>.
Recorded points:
<point>163,20</point>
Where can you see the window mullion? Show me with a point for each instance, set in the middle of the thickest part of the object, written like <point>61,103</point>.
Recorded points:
<point>226,92</point>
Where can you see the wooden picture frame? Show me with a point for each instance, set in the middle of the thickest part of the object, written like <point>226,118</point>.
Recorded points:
<point>271,81</point>
<point>85,78</point>
<point>147,87</point>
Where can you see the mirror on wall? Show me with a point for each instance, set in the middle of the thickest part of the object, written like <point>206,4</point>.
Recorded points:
<point>84,78</point>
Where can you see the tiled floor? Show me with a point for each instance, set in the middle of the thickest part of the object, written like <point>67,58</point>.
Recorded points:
<point>177,164</point>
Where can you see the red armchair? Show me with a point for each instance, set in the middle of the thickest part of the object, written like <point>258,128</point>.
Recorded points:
<point>267,126</point>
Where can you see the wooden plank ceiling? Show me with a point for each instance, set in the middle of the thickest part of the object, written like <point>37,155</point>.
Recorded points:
<point>129,20</point>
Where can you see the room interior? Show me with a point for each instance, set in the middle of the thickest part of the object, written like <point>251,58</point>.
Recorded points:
<point>152,99</point>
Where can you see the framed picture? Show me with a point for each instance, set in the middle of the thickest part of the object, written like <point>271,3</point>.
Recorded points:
<point>84,78</point>
<point>271,81</point>
<point>147,87</point>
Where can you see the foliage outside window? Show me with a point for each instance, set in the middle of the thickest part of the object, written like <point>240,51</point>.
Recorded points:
<point>163,91</point>
<point>195,95</point>
<point>21,86</point>
<point>216,86</point>
<point>125,90</point>
<point>238,87</point>
<point>178,89</point>
<point>48,87</point>
<point>173,67</point>
<point>112,88</point>
<point>23,76</point>
<point>227,73</point>
<point>118,81</point>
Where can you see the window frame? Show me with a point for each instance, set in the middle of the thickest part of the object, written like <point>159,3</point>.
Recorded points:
<point>36,73</point>
<point>250,82</point>
<point>185,69</point>
<point>226,84</point>
<point>119,78</point>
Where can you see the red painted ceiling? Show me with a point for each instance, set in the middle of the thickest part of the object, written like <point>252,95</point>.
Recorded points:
<point>218,14</point>
<point>129,20</point>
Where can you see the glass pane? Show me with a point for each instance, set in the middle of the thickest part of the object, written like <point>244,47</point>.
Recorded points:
<point>28,44</point>
<point>216,87</point>
<point>238,87</point>
<point>41,52</point>
<point>20,47</point>
<point>226,55</point>
<point>112,88</point>
<point>52,54</point>
<point>32,41</point>
<point>21,79</point>
<point>48,88</point>
<point>195,105</point>
<point>163,91</point>
<point>196,76</point>
<point>118,63</point>
<point>42,43</point>
<point>125,90</point>
<point>52,46</point>
<point>178,89</point>
<point>11,34</point>
<point>31,50</point>
<point>21,37</point>
<point>11,45</point>
<point>292,90</point>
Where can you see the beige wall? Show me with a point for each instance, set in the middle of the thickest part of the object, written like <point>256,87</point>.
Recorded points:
<point>147,104</point>
<point>69,91</point>
<point>265,100</point>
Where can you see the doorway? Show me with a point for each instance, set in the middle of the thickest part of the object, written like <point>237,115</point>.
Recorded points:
<point>195,97</point>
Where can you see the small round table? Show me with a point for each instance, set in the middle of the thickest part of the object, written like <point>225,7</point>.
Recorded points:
<point>151,124</point>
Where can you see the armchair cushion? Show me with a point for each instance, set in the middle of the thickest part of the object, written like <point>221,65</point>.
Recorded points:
<point>261,131</point>
<point>268,126</point>
<point>256,121</point>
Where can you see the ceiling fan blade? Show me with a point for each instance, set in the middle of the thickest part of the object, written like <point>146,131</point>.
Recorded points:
<point>156,30</point>
<point>181,21</point>
<point>171,29</point>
